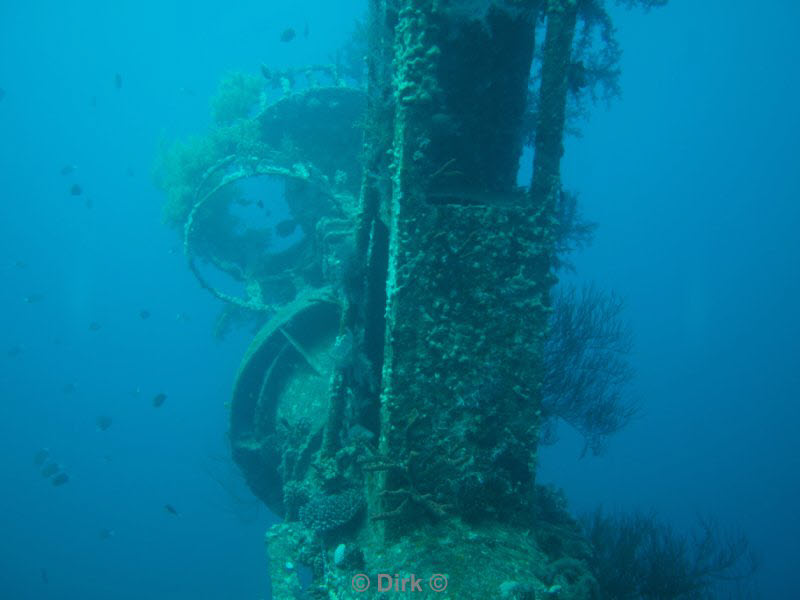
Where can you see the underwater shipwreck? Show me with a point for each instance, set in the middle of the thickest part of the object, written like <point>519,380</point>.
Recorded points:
<point>399,383</point>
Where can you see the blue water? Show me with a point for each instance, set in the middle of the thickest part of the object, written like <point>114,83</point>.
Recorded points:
<point>692,175</point>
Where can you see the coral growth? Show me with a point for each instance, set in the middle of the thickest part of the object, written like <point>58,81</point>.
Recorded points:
<point>237,98</point>
<point>586,366</point>
<point>181,166</point>
<point>638,557</point>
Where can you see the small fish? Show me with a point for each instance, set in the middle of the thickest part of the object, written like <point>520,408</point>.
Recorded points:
<point>288,35</point>
<point>260,204</point>
<point>286,228</point>
<point>41,456</point>
<point>89,203</point>
<point>118,81</point>
<point>50,469</point>
<point>69,388</point>
<point>95,326</point>
<point>103,423</point>
<point>44,576</point>
<point>14,351</point>
<point>182,316</point>
<point>144,314</point>
<point>60,479</point>
<point>33,298</point>
<point>158,400</point>
<point>305,30</point>
<point>105,534</point>
<point>76,190</point>
<point>67,169</point>
<point>266,72</point>
<point>171,510</point>
<point>15,264</point>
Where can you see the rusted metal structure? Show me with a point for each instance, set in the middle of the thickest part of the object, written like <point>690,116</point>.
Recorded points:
<point>389,408</point>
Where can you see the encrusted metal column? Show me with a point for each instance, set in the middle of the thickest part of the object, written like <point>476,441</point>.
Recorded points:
<point>466,309</point>
<point>392,416</point>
